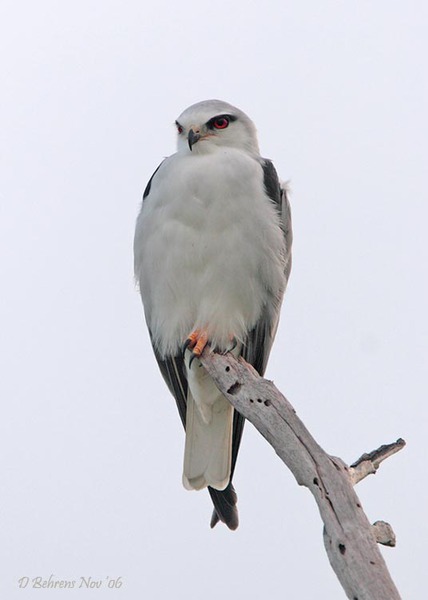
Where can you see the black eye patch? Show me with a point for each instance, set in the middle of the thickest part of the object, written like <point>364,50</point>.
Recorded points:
<point>220,121</point>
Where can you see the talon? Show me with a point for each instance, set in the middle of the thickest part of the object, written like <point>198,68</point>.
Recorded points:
<point>192,339</point>
<point>192,358</point>
<point>196,342</point>
<point>201,343</point>
<point>186,345</point>
<point>234,344</point>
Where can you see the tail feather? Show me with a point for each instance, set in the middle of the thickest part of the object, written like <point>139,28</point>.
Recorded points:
<point>225,507</point>
<point>175,372</point>
<point>213,432</point>
<point>208,447</point>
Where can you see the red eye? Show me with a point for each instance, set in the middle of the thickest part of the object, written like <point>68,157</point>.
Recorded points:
<point>179,129</point>
<point>221,123</point>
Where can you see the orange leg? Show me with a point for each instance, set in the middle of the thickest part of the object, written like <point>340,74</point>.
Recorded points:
<point>197,341</point>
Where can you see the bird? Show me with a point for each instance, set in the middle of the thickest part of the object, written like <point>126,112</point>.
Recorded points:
<point>212,257</point>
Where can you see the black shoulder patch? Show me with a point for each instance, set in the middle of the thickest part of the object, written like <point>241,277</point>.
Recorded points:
<point>271,182</point>
<point>149,185</point>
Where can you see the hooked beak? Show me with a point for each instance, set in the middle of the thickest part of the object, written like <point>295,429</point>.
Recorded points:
<point>192,138</point>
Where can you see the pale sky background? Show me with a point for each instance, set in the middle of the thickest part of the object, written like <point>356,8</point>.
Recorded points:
<point>91,443</point>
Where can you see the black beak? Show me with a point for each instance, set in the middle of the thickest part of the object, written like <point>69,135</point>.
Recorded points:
<point>192,138</point>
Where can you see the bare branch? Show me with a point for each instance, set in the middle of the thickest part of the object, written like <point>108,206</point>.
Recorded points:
<point>349,538</point>
<point>369,463</point>
<point>384,534</point>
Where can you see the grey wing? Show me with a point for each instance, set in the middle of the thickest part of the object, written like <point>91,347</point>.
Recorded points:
<point>171,367</point>
<point>260,339</point>
<point>287,228</point>
<point>174,373</point>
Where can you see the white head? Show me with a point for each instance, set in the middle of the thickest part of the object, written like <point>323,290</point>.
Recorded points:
<point>210,124</point>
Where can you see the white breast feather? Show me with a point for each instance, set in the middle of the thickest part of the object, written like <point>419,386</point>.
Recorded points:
<point>209,249</point>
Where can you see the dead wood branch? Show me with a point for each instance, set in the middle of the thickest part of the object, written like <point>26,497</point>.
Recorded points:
<point>350,540</point>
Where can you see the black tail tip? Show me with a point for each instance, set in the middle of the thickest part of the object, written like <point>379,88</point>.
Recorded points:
<point>232,520</point>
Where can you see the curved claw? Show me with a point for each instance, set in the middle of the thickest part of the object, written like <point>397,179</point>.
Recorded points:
<point>192,358</point>
<point>234,344</point>
<point>196,341</point>
<point>186,345</point>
